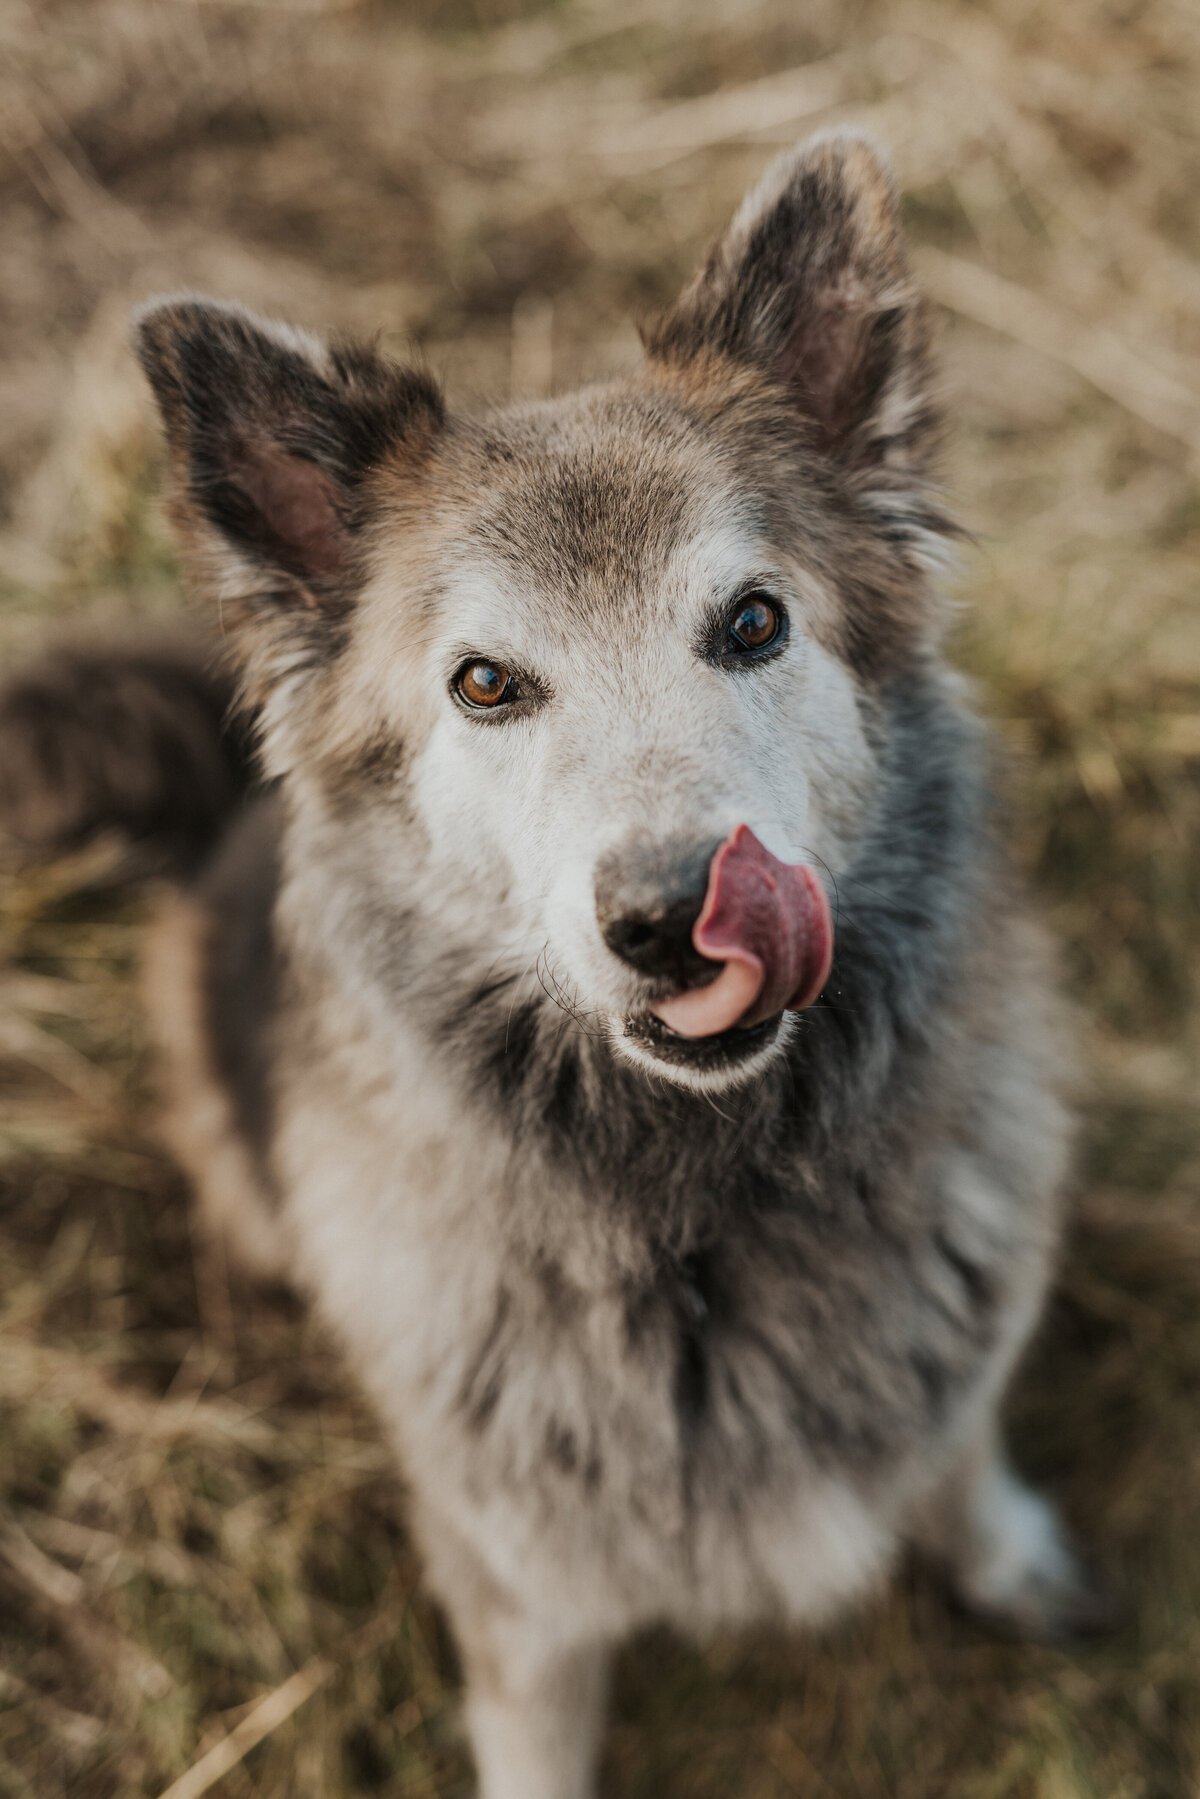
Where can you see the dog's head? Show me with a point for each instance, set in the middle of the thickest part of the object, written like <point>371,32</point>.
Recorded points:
<point>589,684</point>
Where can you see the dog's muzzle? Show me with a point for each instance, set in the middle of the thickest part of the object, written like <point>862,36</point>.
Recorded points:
<point>736,935</point>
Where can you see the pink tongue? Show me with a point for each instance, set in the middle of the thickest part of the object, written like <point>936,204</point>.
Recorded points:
<point>769,923</point>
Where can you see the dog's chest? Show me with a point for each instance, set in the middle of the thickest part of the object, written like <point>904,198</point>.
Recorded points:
<point>635,1417</point>
<point>721,1441</point>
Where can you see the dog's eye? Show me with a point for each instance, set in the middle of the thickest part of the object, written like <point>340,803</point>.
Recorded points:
<point>484,684</point>
<point>754,625</point>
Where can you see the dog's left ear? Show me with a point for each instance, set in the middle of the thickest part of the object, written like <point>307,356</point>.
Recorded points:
<point>280,449</point>
<point>811,285</point>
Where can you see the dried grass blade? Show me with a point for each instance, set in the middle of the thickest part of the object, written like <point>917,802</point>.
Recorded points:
<point>78,1732</point>
<point>1099,356</point>
<point>748,110</point>
<point>64,1597</point>
<point>266,1717</point>
<point>276,1709</point>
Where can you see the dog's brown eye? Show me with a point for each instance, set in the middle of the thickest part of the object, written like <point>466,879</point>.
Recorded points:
<point>484,684</point>
<point>754,625</point>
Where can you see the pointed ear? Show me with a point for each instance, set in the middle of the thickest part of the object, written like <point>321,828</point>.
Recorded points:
<point>274,438</point>
<point>810,284</point>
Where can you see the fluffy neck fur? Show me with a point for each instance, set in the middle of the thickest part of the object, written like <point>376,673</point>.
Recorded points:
<point>857,1088</point>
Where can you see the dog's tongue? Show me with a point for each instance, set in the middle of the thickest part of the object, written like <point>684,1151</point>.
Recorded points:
<point>768,922</point>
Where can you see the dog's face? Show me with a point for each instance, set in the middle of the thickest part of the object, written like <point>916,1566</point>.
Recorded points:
<point>549,662</point>
<point>628,650</point>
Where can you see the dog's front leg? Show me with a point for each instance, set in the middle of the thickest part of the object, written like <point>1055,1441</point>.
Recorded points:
<point>535,1708</point>
<point>1005,1550</point>
<point>535,1688</point>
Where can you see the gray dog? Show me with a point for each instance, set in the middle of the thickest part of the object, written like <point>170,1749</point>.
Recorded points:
<point>610,1000</point>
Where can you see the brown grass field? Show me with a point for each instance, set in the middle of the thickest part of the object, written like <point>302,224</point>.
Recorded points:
<point>205,1583</point>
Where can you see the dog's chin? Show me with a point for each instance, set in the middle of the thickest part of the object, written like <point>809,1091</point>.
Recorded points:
<point>703,1064</point>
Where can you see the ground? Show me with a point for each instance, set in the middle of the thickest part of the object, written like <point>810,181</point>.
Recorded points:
<point>201,1543</point>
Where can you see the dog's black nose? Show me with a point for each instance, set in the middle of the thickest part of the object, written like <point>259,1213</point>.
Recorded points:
<point>648,897</point>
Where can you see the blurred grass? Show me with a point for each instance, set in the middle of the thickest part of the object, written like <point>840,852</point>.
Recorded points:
<point>196,1516</point>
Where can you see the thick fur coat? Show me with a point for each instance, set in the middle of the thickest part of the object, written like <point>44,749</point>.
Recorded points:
<point>695,1330</point>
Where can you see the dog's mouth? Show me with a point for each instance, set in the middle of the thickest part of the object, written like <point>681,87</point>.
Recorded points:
<point>768,924</point>
<point>722,1050</point>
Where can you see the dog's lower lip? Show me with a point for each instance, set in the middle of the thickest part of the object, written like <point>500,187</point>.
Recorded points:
<point>715,1036</point>
<point>722,1046</point>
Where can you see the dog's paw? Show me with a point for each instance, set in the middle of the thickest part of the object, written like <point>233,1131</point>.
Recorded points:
<point>1023,1575</point>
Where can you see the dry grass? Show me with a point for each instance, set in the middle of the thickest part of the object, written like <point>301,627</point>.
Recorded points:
<point>202,1555</point>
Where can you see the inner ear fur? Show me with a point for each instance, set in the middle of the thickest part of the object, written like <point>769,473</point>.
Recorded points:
<point>810,284</point>
<point>273,439</point>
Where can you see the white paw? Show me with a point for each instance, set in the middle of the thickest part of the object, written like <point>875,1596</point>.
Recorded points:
<point>1021,1571</point>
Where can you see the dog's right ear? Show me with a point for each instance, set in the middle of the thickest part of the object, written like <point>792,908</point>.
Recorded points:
<point>810,284</point>
<point>276,440</point>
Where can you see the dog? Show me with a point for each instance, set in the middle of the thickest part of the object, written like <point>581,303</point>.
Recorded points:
<point>598,979</point>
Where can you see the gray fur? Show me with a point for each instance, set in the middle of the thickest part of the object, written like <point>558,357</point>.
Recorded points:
<point>698,1337</point>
